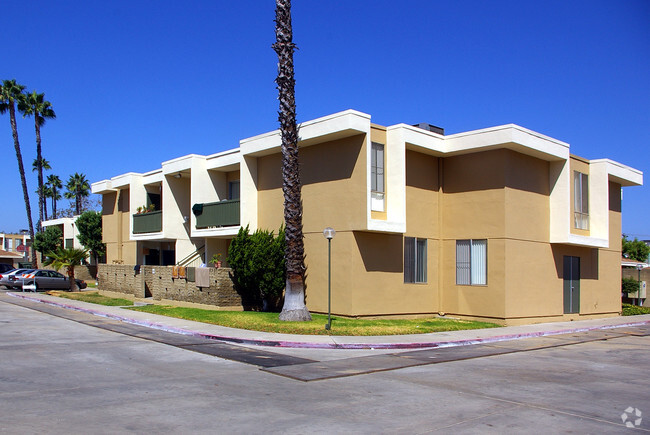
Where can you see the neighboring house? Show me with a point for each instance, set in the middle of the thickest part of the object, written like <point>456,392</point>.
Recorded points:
<point>638,271</point>
<point>500,224</point>
<point>68,228</point>
<point>13,258</point>
<point>17,244</point>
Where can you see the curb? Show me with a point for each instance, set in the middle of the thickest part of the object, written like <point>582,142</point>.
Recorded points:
<point>312,345</point>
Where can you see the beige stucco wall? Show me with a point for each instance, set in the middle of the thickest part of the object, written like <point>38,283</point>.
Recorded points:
<point>116,220</point>
<point>333,192</point>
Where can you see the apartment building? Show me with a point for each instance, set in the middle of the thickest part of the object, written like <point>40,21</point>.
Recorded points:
<point>501,224</point>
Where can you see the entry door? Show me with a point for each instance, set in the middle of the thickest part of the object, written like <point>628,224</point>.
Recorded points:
<point>571,285</point>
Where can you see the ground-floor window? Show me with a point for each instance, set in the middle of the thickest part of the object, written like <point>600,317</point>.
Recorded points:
<point>471,262</point>
<point>415,260</point>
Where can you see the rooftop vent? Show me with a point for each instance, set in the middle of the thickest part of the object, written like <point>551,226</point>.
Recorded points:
<point>429,127</point>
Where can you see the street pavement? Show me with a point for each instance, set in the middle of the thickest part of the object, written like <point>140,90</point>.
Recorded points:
<point>72,371</point>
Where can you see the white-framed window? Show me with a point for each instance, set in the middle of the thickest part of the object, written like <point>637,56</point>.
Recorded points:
<point>471,262</point>
<point>415,260</point>
<point>377,177</point>
<point>580,200</point>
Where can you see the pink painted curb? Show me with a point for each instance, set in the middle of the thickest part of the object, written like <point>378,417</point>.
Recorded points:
<point>312,345</point>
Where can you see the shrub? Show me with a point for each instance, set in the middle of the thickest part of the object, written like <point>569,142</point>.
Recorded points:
<point>629,285</point>
<point>633,310</point>
<point>48,240</point>
<point>258,269</point>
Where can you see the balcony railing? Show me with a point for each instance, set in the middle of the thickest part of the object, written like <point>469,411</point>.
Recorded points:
<point>217,214</point>
<point>150,222</point>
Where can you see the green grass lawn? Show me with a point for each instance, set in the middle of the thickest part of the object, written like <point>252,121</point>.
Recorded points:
<point>92,297</point>
<point>634,310</point>
<point>269,322</point>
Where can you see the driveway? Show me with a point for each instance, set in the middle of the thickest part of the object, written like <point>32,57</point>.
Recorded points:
<point>77,373</point>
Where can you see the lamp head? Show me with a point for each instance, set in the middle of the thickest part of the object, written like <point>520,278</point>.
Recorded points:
<point>329,233</point>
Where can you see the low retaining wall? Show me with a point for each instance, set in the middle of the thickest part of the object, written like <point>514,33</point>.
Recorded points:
<point>158,282</point>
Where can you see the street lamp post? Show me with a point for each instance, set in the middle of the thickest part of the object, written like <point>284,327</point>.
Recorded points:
<point>639,267</point>
<point>329,234</point>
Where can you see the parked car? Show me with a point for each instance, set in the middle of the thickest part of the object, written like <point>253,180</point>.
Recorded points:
<point>4,277</point>
<point>6,267</point>
<point>44,279</point>
<point>15,279</point>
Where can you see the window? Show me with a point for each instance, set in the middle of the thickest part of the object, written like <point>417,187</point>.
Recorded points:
<point>233,190</point>
<point>69,243</point>
<point>377,176</point>
<point>471,262</point>
<point>415,260</point>
<point>580,200</point>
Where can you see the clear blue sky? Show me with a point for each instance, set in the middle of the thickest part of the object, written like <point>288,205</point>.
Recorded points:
<point>136,82</point>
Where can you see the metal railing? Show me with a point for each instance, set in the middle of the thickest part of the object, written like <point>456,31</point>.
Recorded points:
<point>150,222</point>
<point>217,214</point>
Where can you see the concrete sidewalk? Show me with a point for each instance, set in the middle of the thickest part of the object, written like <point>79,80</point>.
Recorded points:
<point>414,341</point>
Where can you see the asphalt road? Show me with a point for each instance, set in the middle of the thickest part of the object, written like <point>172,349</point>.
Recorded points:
<point>84,374</point>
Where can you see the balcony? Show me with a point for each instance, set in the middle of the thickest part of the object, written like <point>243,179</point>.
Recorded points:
<point>217,214</point>
<point>150,222</point>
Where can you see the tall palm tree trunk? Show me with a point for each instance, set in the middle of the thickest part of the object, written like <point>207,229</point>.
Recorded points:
<point>23,180</point>
<point>294,308</point>
<point>39,160</point>
<point>45,206</point>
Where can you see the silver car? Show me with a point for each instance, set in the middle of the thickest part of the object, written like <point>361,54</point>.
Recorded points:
<point>44,279</point>
<point>12,279</point>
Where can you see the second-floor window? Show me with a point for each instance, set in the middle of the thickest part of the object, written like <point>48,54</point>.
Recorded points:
<point>377,176</point>
<point>580,200</point>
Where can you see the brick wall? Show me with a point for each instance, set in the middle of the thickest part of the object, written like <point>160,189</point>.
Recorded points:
<point>157,282</point>
<point>120,278</point>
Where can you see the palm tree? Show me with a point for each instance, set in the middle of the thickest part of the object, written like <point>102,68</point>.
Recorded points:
<point>68,258</point>
<point>294,296</point>
<point>53,185</point>
<point>44,191</point>
<point>78,188</point>
<point>45,164</point>
<point>10,94</point>
<point>35,104</point>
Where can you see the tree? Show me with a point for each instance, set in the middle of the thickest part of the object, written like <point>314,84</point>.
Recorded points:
<point>89,225</point>
<point>68,258</point>
<point>44,190</point>
<point>48,240</point>
<point>10,94</point>
<point>294,308</point>
<point>258,271</point>
<point>36,105</point>
<point>635,249</point>
<point>78,189</point>
<point>53,188</point>
<point>45,164</point>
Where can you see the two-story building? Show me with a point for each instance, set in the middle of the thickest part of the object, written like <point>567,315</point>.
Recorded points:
<point>501,224</point>
<point>16,248</point>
